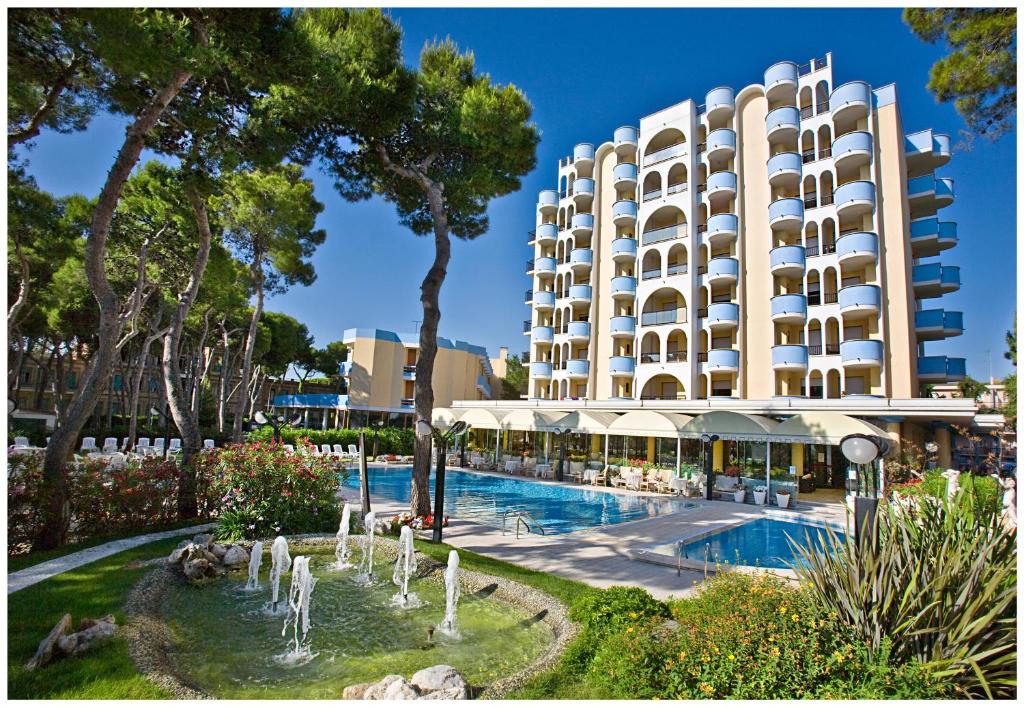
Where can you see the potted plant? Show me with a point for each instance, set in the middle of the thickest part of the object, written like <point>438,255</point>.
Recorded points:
<point>739,493</point>
<point>782,498</point>
<point>760,494</point>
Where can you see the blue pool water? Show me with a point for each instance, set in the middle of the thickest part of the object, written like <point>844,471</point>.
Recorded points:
<point>762,542</point>
<point>484,498</point>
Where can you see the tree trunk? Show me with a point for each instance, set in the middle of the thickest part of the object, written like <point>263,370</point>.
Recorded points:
<point>53,529</point>
<point>136,392</point>
<point>19,302</point>
<point>430,292</point>
<point>256,267</point>
<point>181,409</point>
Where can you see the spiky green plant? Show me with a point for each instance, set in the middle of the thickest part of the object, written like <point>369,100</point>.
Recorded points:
<point>941,584</point>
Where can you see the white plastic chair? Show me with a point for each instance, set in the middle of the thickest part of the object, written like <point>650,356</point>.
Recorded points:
<point>88,444</point>
<point>20,442</point>
<point>339,451</point>
<point>290,448</point>
<point>208,444</point>
<point>140,443</point>
<point>175,444</point>
<point>158,444</point>
<point>325,449</point>
<point>109,445</point>
<point>353,450</point>
<point>124,444</point>
<point>117,460</point>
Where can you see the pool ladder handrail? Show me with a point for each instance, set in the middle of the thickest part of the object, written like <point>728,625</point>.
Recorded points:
<point>681,551</point>
<point>522,517</point>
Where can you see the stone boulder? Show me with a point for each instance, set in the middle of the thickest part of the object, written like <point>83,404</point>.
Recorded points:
<point>203,539</point>
<point>439,682</point>
<point>218,550</point>
<point>235,555</point>
<point>439,677</point>
<point>91,631</point>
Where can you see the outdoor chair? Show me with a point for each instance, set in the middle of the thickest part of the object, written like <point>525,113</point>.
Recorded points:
<point>20,442</point>
<point>620,478</point>
<point>326,450</point>
<point>158,444</point>
<point>117,460</point>
<point>209,444</point>
<point>140,443</point>
<point>600,478</point>
<point>353,451</point>
<point>576,475</point>
<point>290,448</point>
<point>175,444</point>
<point>665,481</point>
<point>88,444</point>
<point>339,451</point>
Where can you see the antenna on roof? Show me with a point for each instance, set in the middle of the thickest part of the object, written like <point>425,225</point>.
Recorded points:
<point>416,326</point>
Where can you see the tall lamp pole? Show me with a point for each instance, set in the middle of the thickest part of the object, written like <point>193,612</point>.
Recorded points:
<point>275,423</point>
<point>864,449</point>
<point>167,423</point>
<point>709,472</point>
<point>442,438</point>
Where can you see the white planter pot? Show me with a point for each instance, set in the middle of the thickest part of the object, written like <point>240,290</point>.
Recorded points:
<point>783,499</point>
<point>759,497</point>
<point>739,495</point>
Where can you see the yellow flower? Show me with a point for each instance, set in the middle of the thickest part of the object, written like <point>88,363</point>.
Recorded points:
<point>775,651</point>
<point>732,657</point>
<point>838,656</point>
<point>796,618</point>
<point>706,689</point>
<point>632,614</point>
<point>782,609</point>
<point>682,655</point>
<point>629,630</point>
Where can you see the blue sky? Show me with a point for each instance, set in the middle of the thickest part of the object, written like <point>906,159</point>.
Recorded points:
<point>587,72</point>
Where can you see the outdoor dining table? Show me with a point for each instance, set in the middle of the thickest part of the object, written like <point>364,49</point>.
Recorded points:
<point>633,479</point>
<point>511,466</point>
<point>678,484</point>
<point>542,470</point>
<point>589,475</point>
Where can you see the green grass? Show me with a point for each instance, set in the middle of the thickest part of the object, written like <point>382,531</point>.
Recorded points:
<point>20,562</point>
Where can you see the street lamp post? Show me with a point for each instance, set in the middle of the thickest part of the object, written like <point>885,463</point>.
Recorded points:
<point>167,423</point>
<point>275,423</point>
<point>931,448</point>
<point>442,438</point>
<point>709,472</point>
<point>861,449</point>
<point>376,433</point>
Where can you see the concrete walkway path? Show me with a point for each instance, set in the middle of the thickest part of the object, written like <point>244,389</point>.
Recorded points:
<point>44,570</point>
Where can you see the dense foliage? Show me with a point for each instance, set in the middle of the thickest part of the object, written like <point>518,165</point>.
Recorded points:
<point>977,493</point>
<point>260,490</point>
<point>390,440</point>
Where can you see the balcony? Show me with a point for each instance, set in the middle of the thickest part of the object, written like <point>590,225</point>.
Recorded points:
<point>861,353</point>
<point>577,368</point>
<point>675,150</point>
<point>547,201</point>
<point>720,103</point>
<point>721,229</point>
<point>625,140</point>
<point>581,259</point>
<point>623,287</point>
<point>529,297</point>
<point>582,224</point>
<point>580,294</point>
<point>785,170</point>
<point>935,280</point>
<point>721,144</point>
<point>857,249</point>
<point>666,233</point>
<point>786,214</point>
<point>542,267</point>
<point>723,271</point>
<point>941,369</point>
<point>583,192</point>
<point>935,324</point>
<point>850,102</point>
<point>789,309</point>
<point>541,370</point>
<point>854,199</point>
<point>542,335</point>
<point>622,327</point>
<point>860,300</point>
<point>852,150</point>
<point>782,124</point>
<point>624,213</point>
<point>929,236</point>
<point>546,234</point>
<point>583,154</point>
<point>721,187</point>
<point>789,357</point>
<point>624,176</point>
<point>722,316</point>
<point>621,366</point>
<point>780,81</point>
<point>578,331</point>
<point>928,193</point>
<point>788,261</point>
<point>927,151</point>
<point>665,316</point>
<point>722,360</point>
<point>624,250</point>
<point>543,301</point>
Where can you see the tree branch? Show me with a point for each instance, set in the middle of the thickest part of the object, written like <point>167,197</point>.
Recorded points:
<point>49,103</point>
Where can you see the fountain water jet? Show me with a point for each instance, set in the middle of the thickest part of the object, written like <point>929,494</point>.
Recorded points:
<point>280,562</point>
<point>298,611</point>
<point>341,551</point>
<point>451,596</point>
<point>255,560</point>
<point>365,576</point>
<point>405,567</point>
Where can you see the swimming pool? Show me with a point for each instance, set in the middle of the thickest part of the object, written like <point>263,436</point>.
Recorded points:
<point>762,542</point>
<point>483,498</point>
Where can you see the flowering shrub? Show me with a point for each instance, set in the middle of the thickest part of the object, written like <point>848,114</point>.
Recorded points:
<point>260,490</point>
<point>415,522</point>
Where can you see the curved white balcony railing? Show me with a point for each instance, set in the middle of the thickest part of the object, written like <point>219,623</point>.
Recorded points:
<point>543,300</point>
<point>542,335</point>
<point>852,150</point>
<point>624,212</point>
<point>780,80</point>
<point>623,286</point>
<point>547,201</point>
<point>624,175</point>
<point>583,191</point>
<point>621,366</point>
<point>581,259</point>
<point>723,271</point>
<point>788,260</point>
<point>861,353</point>
<point>860,300</point>
<point>582,224</point>
<point>785,169</point>
<point>722,228</point>
<point>721,185</point>
<point>854,199</point>
<point>546,234</point>
<point>578,331</point>
<point>723,360</point>
<point>580,294</point>
<point>722,315</point>
<point>719,103</point>
<point>540,370</point>
<point>786,214</point>
<point>857,249</point>
<point>583,153</point>
<point>622,326</point>
<point>929,236</point>
<point>625,139</point>
<point>789,308</point>
<point>789,357</point>
<point>851,101</point>
<point>577,368</point>
<point>782,123</point>
<point>624,250</point>
<point>720,143</point>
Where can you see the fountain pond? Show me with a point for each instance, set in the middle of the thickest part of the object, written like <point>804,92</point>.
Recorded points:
<point>228,644</point>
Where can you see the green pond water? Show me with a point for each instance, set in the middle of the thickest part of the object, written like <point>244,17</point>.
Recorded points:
<point>230,645</point>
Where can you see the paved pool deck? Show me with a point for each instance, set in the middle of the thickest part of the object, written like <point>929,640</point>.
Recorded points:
<point>604,557</point>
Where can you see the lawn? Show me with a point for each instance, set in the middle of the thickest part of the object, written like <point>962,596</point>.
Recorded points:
<point>102,587</point>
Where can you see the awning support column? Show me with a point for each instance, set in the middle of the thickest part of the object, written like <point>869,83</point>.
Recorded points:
<point>768,473</point>
<point>606,437</point>
<point>679,455</point>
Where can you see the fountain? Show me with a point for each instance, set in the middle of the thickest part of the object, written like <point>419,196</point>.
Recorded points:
<point>255,560</point>
<point>280,562</point>
<point>341,552</point>
<point>405,567</point>
<point>451,596</point>
<point>298,611</point>
<point>365,577</point>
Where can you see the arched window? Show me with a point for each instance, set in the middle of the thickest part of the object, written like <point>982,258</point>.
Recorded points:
<point>676,179</point>
<point>806,101</point>
<point>651,265</point>
<point>807,146</point>
<point>810,192</point>
<point>677,260</point>
<point>652,186</point>
<point>824,142</point>
<point>821,97</point>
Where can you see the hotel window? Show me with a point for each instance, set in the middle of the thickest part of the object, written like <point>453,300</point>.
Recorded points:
<point>855,385</point>
<point>721,388</point>
<point>721,342</point>
<point>72,381</point>
<point>853,332</point>
<point>852,280</point>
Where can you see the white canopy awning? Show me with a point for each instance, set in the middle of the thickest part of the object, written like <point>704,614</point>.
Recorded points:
<point>649,423</point>
<point>483,418</point>
<point>587,422</point>
<point>822,428</point>
<point>443,418</point>
<point>532,420</point>
<point>730,425</point>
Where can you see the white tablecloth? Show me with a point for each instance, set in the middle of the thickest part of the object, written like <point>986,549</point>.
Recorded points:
<point>589,475</point>
<point>542,470</point>
<point>511,466</point>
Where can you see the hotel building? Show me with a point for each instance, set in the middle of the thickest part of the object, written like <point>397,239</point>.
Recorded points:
<point>779,241</point>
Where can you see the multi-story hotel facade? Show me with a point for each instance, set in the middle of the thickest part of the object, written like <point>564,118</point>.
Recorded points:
<point>780,241</point>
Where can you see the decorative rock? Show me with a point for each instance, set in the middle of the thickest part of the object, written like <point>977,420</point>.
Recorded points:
<point>176,555</point>
<point>400,690</point>
<point>218,550</point>
<point>388,687</point>
<point>199,569</point>
<point>44,654</point>
<point>235,555</point>
<point>452,693</point>
<point>203,539</point>
<point>97,631</point>
<point>355,692</point>
<point>438,677</point>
